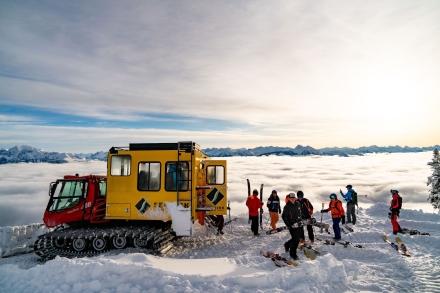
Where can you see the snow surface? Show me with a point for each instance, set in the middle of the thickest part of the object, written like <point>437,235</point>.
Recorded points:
<point>232,262</point>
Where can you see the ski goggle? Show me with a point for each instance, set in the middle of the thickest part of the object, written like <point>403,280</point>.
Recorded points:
<point>393,191</point>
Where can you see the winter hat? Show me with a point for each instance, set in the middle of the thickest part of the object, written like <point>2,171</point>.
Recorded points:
<point>274,191</point>
<point>255,191</point>
<point>349,186</point>
<point>332,196</point>
<point>300,194</point>
<point>292,195</point>
<point>393,191</point>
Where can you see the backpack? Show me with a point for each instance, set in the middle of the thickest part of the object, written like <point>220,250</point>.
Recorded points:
<point>306,207</point>
<point>399,199</point>
<point>354,198</point>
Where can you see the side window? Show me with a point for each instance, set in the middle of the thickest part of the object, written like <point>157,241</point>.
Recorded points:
<point>215,175</point>
<point>103,188</point>
<point>120,166</point>
<point>149,176</point>
<point>177,174</point>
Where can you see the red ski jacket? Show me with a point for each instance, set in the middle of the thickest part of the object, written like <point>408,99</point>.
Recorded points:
<point>253,203</point>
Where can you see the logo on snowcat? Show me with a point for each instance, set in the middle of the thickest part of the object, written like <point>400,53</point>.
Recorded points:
<point>215,196</point>
<point>142,206</point>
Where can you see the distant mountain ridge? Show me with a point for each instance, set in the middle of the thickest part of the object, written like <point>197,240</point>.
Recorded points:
<point>300,150</point>
<point>29,154</point>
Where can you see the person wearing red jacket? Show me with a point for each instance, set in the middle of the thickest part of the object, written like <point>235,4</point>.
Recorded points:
<point>253,203</point>
<point>338,213</point>
<point>395,211</point>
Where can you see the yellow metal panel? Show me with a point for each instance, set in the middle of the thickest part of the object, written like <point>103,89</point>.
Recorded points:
<point>122,210</point>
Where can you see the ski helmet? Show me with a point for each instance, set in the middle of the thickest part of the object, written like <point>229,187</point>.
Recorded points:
<point>292,195</point>
<point>255,192</point>
<point>274,191</point>
<point>393,191</point>
<point>349,186</point>
<point>300,194</point>
<point>332,196</point>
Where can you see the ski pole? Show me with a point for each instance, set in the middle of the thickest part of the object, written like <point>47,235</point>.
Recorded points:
<point>229,211</point>
<point>322,229</point>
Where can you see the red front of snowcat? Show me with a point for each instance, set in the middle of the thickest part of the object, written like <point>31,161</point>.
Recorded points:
<point>76,199</point>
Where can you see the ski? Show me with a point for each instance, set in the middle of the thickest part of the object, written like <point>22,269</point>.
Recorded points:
<point>277,263</point>
<point>344,243</point>
<point>261,209</point>
<point>349,228</point>
<point>230,221</point>
<point>278,257</point>
<point>403,246</point>
<point>323,227</point>
<point>414,232</point>
<point>312,248</point>
<point>306,252</point>
<point>249,194</point>
<point>393,245</point>
<point>343,230</point>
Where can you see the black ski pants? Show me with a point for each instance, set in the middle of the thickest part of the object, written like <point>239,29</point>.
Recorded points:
<point>293,242</point>
<point>254,224</point>
<point>351,213</point>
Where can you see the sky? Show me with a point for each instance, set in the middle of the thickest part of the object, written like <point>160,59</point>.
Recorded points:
<point>233,263</point>
<point>84,76</point>
<point>24,187</point>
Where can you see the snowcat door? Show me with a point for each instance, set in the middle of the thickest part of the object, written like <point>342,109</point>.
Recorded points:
<point>216,179</point>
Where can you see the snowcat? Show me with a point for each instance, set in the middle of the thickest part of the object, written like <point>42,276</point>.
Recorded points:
<point>152,193</point>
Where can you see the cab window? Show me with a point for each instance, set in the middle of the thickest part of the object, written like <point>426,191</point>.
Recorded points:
<point>149,176</point>
<point>215,175</point>
<point>176,176</point>
<point>120,166</point>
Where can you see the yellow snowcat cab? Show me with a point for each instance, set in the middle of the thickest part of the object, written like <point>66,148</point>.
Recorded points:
<point>173,182</point>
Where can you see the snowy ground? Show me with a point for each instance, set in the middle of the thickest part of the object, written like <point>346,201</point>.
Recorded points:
<point>232,262</point>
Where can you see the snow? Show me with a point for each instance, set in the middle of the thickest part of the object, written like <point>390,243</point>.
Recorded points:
<point>232,262</point>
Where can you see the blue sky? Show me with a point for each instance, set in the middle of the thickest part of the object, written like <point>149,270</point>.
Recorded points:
<point>83,76</point>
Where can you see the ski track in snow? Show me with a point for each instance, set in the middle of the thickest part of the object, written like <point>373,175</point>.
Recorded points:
<point>375,268</point>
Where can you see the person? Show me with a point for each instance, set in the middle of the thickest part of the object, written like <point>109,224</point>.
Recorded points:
<point>395,211</point>
<point>219,221</point>
<point>306,212</point>
<point>274,206</point>
<point>338,213</point>
<point>253,203</point>
<point>351,206</point>
<point>291,215</point>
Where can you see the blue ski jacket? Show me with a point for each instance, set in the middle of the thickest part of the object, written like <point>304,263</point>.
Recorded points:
<point>348,195</point>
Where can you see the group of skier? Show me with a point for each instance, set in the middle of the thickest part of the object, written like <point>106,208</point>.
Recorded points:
<point>298,208</point>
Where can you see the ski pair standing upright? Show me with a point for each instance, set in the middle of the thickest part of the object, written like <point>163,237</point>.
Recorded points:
<point>255,206</point>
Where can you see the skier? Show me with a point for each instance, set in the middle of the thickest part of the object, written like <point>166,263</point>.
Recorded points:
<point>306,211</point>
<point>253,203</point>
<point>351,206</point>
<point>395,211</point>
<point>338,213</point>
<point>273,204</point>
<point>291,215</point>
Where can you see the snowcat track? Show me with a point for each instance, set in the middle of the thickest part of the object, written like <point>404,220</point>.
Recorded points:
<point>82,242</point>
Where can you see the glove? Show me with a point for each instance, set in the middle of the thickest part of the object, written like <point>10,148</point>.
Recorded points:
<point>343,220</point>
<point>324,211</point>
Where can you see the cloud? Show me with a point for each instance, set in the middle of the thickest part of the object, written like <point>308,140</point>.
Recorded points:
<point>306,72</point>
<point>24,187</point>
